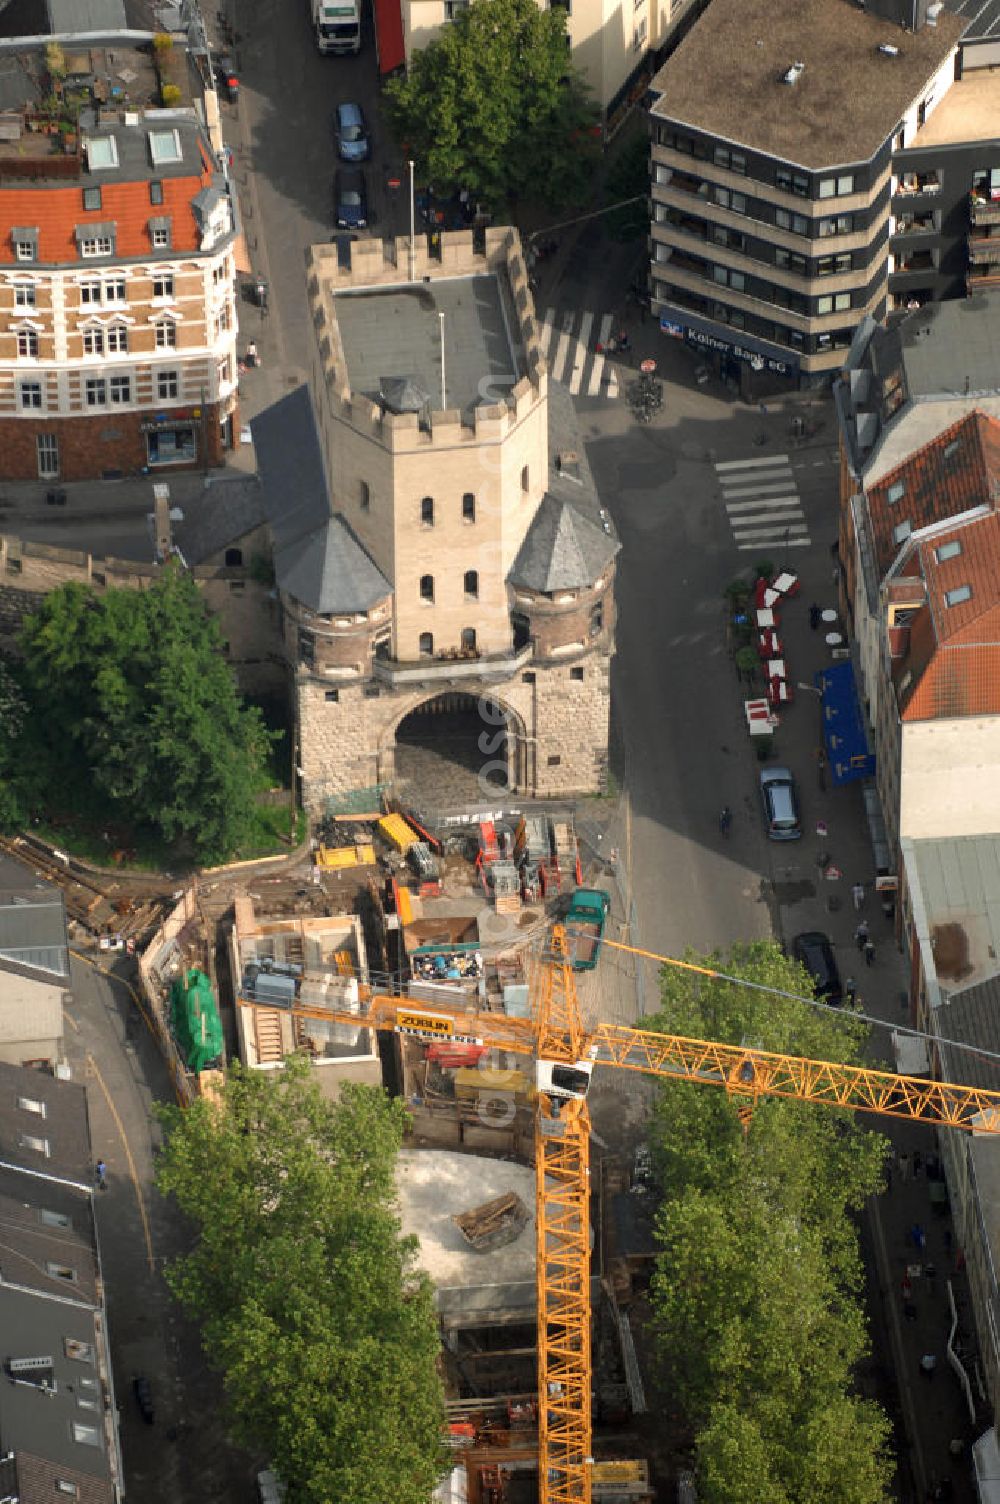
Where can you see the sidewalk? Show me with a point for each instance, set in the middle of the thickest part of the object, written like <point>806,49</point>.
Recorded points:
<point>933,1410</point>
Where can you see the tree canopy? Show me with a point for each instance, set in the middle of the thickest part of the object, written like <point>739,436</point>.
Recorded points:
<point>494,105</point>
<point>757,1288</point>
<point>307,1295</point>
<point>127,713</point>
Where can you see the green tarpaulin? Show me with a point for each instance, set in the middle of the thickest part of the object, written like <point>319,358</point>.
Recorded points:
<point>195,1019</point>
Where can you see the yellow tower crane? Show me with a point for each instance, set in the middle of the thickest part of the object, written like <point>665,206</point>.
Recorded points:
<point>565,1054</point>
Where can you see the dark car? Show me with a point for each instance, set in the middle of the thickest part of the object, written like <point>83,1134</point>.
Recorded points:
<point>144,1398</point>
<point>781,806</point>
<point>814,950</point>
<point>350,198</point>
<point>228,77</point>
<point>353,144</point>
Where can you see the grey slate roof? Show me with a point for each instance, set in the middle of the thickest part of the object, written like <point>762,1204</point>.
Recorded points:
<point>33,932</point>
<point>972,1017</point>
<point>228,508</point>
<point>562,550</point>
<point>317,559</point>
<point>329,571</point>
<point>65,1125</point>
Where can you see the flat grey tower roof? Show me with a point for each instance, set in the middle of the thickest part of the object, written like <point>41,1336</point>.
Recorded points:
<point>396,331</point>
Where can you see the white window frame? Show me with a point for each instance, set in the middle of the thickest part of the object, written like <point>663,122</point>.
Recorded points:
<point>25,295</point>
<point>47,455</point>
<point>160,238</point>
<point>25,250</point>
<point>117,339</point>
<point>93,339</point>
<point>161,339</point>
<point>110,292</point>
<point>99,386</point>
<point>167,378</point>
<point>120,390</point>
<point>163,297</point>
<point>91,292</point>
<point>35,387</point>
<point>98,245</point>
<point>29,334</point>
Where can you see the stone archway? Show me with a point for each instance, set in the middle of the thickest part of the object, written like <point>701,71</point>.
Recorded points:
<point>454,748</point>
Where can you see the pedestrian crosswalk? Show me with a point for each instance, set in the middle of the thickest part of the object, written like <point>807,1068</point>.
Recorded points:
<point>763,504</point>
<point>570,339</point>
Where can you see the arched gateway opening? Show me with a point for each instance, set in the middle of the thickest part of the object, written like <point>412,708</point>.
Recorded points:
<point>455,749</point>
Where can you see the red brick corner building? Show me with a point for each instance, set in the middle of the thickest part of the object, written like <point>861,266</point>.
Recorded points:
<point>117,298</point>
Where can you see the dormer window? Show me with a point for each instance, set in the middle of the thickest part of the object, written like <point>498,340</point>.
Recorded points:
<point>25,242</point>
<point>96,239</point>
<point>159,233</point>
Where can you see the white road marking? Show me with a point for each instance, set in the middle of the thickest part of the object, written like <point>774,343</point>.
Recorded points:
<point>779,483</point>
<point>545,330</point>
<point>612,382</point>
<point>559,359</point>
<point>774,459</point>
<point>580,354</point>
<point>596,376</point>
<point>763,503</point>
<point>746,548</point>
<point>777,532</point>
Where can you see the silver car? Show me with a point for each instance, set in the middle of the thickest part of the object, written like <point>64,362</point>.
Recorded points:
<point>781,806</point>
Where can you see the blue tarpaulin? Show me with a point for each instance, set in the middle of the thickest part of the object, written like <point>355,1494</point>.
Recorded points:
<point>844,734</point>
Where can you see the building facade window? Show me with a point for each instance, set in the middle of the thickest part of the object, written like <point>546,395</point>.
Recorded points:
<point>166,385</point>
<point>792,182</point>
<point>958,595</point>
<point>734,161</point>
<point>91,198</point>
<point>163,285</point>
<point>117,339</point>
<point>166,335</point>
<point>525,479</point>
<point>427,587</point>
<point>97,245</point>
<point>427,511</point>
<point>160,237</point>
<point>120,389</point>
<point>836,224</point>
<point>47,450</point>
<point>468,507</point>
<point>427,645</point>
<point>24,250</point>
<point>93,342</point>
<point>27,344</point>
<point>90,291</point>
<point>114,290</point>
<point>29,395</point>
<point>364,495</point>
<point>470,583</point>
<point>95,391</point>
<point>728,200</point>
<point>797,223</point>
<point>24,295</point>
<point>468,639</point>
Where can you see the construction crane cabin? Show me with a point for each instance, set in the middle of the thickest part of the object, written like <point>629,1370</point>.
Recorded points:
<point>565,1054</point>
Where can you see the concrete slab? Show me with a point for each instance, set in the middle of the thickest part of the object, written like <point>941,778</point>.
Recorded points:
<point>436,1185</point>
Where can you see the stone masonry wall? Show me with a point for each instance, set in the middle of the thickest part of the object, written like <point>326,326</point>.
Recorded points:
<point>346,732</point>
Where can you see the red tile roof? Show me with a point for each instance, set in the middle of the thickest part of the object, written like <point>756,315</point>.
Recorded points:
<point>955,472</point>
<point>952,665</point>
<point>58,211</point>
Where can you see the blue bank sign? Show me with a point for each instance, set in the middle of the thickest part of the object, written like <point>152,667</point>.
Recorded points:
<point>756,358</point>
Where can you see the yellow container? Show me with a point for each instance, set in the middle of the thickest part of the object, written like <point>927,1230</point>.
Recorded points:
<point>396,831</point>
<point>471,1083</point>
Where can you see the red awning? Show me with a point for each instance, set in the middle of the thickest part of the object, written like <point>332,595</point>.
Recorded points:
<point>389,36</point>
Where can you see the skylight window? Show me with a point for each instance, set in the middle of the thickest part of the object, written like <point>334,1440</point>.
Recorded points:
<point>102,152</point>
<point>902,531</point>
<point>958,595</point>
<point>895,492</point>
<point>948,551</point>
<point>164,146</point>
<point>950,450</point>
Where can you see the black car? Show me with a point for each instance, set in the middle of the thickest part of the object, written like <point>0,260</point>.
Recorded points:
<point>814,950</point>
<point>350,199</point>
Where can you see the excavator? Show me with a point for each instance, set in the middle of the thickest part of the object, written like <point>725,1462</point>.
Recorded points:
<point>565,1054</point>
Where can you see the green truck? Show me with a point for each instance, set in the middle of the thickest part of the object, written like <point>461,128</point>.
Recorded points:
<point>585,921</point>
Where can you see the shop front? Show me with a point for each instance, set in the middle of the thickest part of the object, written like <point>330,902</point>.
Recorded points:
<point>738,357</point>
<point>172,438</point>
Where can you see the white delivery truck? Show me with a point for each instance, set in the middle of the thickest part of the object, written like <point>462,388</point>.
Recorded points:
<point>337,24</point>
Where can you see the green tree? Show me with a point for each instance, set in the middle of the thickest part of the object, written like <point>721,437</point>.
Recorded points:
<point>756,1292</point>
<point>627,180</point>
<point>493,105</point>
<point>132,717</point>
<point>307,1295</point>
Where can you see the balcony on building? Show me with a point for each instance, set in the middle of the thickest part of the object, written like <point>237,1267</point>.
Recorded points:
<point>982,276</point>
<point>451,666</point>
<point>909,262</point>
<point>915,224</point>
<point>983,211</point>
<point>916,185</point>
<point>984,247</point>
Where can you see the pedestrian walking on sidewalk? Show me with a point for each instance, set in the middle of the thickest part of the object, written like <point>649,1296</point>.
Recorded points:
<point>814,616</point>
<point>858,894</point>
<point>919,1236</point>
<point>851,989</point>
<point>869,953</point>
<point>930,1274</point>
<point>102,1175</point>
<point>907,1287</point>
<point>861,935</point>
<point>918,1163</point>
<point>928,1363</point>
<point>904,1165</point>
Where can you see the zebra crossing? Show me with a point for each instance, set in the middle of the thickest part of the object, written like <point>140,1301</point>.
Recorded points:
<point>763,504</point>
<point>572,351</point>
